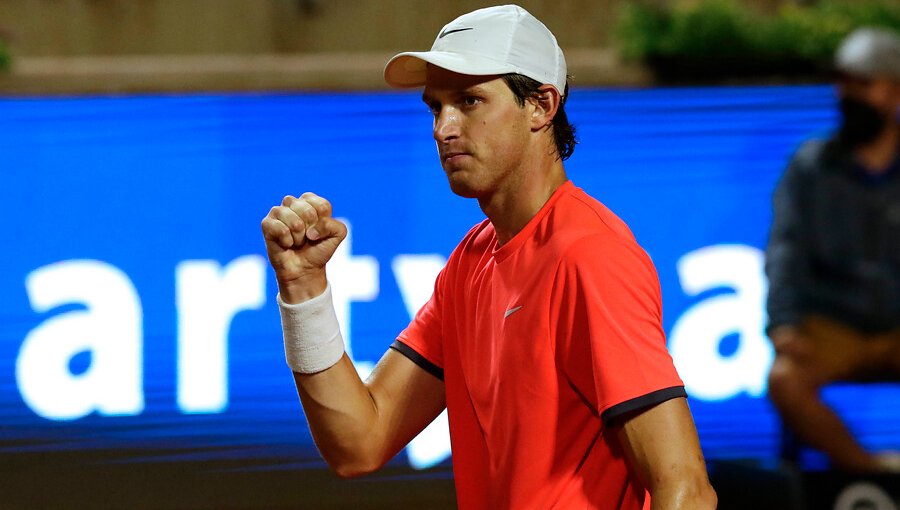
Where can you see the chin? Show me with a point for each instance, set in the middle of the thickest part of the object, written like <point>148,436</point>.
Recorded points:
<point>462,190</point>
<point>461,186</point>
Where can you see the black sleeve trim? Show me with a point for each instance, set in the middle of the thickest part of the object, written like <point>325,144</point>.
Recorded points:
<point>418,359</point>
<point>644,401</point>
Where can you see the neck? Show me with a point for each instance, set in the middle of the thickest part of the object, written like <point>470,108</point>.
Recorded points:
<point>514,203</point>
<point>876,156</point>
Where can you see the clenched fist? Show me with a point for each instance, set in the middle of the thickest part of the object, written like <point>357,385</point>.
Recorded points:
<point>301,236</point>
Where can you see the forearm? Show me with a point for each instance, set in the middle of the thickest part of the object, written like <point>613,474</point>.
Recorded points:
<point>358,427</point>
<point>342,417</point>
<point>339,407</point>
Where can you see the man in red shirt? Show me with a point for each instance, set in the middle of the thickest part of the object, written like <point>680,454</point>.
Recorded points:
<point>543,337</point>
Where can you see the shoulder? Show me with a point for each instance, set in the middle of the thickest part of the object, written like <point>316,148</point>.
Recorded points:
<point>598,240</point>
<point>595,229</point>
<point>478,239</point>
<point>477,242</point>
<point>818,155</point>
<point>582,214</point>
<point>811,150</point>
<point>610,255</point>
<point>473,247</point>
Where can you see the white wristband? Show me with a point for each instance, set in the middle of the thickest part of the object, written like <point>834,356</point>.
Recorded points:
<point>312,335</point>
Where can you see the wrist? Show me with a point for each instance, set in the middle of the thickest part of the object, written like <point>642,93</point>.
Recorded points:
<point>312,335</point>
<point>303,288</point>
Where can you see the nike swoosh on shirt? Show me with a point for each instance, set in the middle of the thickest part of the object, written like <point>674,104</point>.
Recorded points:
<point>511,311</point>
<point>448,32</point>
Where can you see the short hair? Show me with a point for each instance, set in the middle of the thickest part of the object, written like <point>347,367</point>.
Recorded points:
<point>524,88</point>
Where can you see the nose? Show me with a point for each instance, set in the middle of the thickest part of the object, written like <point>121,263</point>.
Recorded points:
<point>446,125</point>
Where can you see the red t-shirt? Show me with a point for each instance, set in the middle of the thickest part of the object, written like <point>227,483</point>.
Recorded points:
<point>541,343</point>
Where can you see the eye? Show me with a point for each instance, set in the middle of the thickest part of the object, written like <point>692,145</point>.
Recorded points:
<point>434,108</point>
<point>470,101</point>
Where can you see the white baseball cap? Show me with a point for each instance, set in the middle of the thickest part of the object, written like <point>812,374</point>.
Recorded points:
<point>495,40</point>
<point>870,52</point>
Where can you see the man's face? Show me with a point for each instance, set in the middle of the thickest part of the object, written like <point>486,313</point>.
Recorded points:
<point>868,106</point>
<point>881,93</point>
<point>480,130</point>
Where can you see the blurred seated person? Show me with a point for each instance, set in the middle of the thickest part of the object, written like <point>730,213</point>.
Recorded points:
<point>833,259</point>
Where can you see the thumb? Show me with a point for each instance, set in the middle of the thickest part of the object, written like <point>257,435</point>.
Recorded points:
<point>326,228</point>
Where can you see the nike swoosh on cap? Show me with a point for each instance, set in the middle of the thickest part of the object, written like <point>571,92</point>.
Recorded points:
<point>511,311</point>
<point>448,32</point>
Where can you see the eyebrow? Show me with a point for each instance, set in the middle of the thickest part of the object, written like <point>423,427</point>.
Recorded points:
<point>477,90</point>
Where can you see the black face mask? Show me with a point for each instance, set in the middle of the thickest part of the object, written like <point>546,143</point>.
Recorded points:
<point>861,124</point>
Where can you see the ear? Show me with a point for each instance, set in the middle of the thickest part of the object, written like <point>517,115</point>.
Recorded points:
<point>546,102</point>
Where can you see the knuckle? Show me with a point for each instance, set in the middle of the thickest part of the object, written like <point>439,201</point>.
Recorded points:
<point>307,212</point>
<point>322,206</point>
<point>286,201</point>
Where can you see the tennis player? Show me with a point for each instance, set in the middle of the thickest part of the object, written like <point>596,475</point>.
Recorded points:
<point>543,337</point>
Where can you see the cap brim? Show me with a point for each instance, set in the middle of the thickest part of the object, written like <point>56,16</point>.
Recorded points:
<point>408,69</point>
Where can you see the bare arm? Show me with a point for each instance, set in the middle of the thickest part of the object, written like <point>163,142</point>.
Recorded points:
<point>662,447</point>
<point>357,426</point>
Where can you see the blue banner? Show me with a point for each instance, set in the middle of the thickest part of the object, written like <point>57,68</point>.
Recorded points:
<point>137,309</point>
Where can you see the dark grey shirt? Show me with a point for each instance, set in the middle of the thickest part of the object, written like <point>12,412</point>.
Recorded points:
<point>834,248</point>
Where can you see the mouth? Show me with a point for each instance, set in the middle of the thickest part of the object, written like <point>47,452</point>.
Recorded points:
<point>453,157</point>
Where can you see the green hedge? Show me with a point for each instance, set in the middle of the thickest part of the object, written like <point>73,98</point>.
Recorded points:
<point>721,39</point>
<point>4,57</point>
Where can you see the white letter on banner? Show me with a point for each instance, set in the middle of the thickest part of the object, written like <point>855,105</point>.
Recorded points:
<point>109,328</point>
<point>415,276</point>
<point>698,333</point>
<point>208,298</point>
<point>352,278</point>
